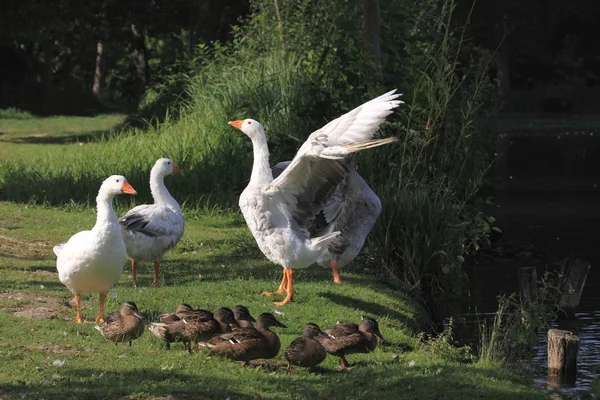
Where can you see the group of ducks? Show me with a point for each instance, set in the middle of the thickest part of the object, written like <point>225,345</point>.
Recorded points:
<point>231,333</point>
<point>313,209</point>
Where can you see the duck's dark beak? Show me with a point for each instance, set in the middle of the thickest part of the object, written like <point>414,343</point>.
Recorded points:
<point>250,318</point>
<point>379,335</point>
<point>138,315</point>
<point>279,324</point>
<point>325,335</point>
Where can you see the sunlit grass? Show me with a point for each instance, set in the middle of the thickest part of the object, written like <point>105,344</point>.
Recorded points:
<point>24,136</point>
<point>216,264</point>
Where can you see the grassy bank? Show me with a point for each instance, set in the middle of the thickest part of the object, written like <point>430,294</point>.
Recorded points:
<point>216,264</point>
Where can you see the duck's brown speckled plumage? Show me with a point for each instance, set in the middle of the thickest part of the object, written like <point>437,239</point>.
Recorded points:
<point>123,326</point>
<point>351,338</point>
<point>179,312</point>
<point>306,351</point>
<point>245,344</point>
<point>192,326</point>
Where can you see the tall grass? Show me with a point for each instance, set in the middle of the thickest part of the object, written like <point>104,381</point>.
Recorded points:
<point>428,186</point>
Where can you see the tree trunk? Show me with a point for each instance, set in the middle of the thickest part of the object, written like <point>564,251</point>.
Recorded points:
<point>139,45</point>
<point>371,33</point>
<point>100,72</point>
<point>47,75</point>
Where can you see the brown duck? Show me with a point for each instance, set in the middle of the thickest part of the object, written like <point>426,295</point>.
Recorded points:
<point>181,309</point>
<point>351,338</point>
<point>123,326</point>
<point>305,351</point>
<point>193,326</point>
<point>243,317</point>
<point>245,344</point>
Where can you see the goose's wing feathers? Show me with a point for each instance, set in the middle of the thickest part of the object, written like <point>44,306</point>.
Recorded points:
<point>152,220</point>
<point>323,161</point>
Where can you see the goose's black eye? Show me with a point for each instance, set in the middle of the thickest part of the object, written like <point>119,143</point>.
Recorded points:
<point>249,122</point>
<point>169,163</point>
<point>118,180</point>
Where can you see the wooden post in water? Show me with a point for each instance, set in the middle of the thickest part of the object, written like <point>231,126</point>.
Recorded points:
<point>574,273</point>
<point>528,286</point>
<point>563,347</point>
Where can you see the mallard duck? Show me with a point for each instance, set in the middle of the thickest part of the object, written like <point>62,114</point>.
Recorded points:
<point>123,326</point>
<point>305,351</point>
<point>193,326</point>
<point>351,338</point>
<point>179,312</point>
<point>92,261</point>
<point>245,344</point>
<point>150,230</point>
<point>279,211</point>
<point>243,317</point>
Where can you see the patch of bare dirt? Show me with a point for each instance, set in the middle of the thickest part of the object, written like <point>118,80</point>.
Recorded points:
<point>25,249</point>
<point>45,273</point>
<point>33,305</point>
<point>37,313</point>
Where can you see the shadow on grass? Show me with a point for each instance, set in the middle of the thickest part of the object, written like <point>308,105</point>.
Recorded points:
<point>61,139</point>
<point>366,379</point>
<point>370,308</point>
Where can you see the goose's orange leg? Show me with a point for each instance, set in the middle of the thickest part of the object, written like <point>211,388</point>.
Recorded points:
<point>289,289</point>
<point>282,286</point>
<point>133,273</point>
<point>100,317</point>
<point>78,317</point>
<point>337,279</point>
<point>156,268</point>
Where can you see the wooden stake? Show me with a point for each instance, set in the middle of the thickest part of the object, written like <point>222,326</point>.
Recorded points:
<point>574,272</point>
<point>563,347</point>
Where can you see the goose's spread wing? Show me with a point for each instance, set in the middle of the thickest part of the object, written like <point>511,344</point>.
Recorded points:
<point>322,162</point>
<point>152,220</point>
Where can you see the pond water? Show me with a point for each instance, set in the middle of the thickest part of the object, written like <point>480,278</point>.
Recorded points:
<point>537,229</point>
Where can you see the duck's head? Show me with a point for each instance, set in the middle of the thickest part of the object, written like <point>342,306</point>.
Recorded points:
<point>312,330</point>
<point>129,308</point>
<point>266,320</point>
<point>242,313</point>
<point>225,316</point>
<point>116,184</point>
<point>163,167</point>
<point>183,308</point>
<point>253,129</point>
<point>369,324</point>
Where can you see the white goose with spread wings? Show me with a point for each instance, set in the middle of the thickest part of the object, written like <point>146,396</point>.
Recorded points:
<point>278,211</point>
<point>352,209</point>
<point>150,230</point>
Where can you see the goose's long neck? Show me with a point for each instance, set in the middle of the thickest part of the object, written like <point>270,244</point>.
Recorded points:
<point>106,219</point>
<point>261,171</point>
<point>160,193</point>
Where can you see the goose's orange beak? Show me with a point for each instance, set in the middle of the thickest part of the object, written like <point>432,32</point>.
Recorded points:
<point>237,124</point>
<point>176,170</point>
<point>127,188</point>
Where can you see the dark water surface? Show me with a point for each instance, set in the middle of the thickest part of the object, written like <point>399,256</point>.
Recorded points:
<point>538,228</point>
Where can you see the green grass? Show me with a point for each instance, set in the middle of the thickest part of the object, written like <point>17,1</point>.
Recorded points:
<point>23,136</point>
<point>216,264</point>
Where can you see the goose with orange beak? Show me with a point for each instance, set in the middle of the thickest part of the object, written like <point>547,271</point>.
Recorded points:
<point>150,230</point>
<point>92,261</point>
<point>279,211</point>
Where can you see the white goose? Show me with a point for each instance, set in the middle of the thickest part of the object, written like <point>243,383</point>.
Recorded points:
<point>278,211</point>
<point>150,230</point>
<point>92,261</point>
<point>352,209</point>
